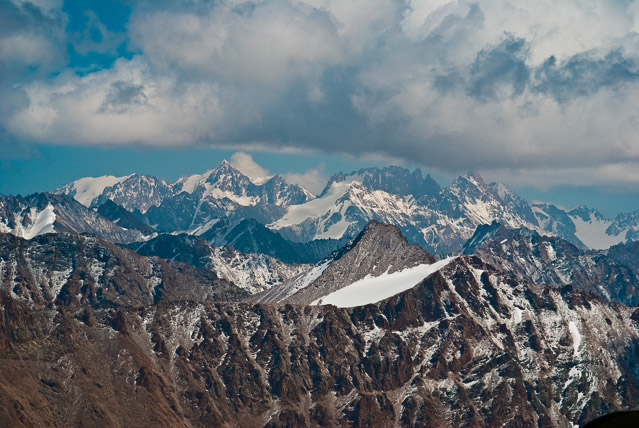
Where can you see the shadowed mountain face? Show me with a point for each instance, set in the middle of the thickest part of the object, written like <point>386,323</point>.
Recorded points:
<point>249,236</point>
<point>558,263</point>
<point>123,218</point>
<point>253,272</point>
<point>627,254</point>
<point>469,346</point>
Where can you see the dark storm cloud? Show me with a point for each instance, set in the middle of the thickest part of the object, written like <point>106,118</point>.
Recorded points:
<point>122,96</point>
<point>456,85</point>
<point>499,65</point>
<point>583,74</point>
<point>506,66</point>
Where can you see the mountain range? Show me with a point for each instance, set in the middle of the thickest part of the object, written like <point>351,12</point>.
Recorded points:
<point>381,333</point>
<point>386,300</point>
<point>439,219</point>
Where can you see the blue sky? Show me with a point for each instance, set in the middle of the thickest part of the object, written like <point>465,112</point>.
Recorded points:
<point>541,96</point>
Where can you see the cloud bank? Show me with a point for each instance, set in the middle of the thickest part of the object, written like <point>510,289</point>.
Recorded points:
<point>546,89</point>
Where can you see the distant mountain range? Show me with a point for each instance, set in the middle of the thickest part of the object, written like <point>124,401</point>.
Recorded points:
<point>439,219</point>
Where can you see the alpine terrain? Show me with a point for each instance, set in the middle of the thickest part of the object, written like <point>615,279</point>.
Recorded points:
<point>386,300</point>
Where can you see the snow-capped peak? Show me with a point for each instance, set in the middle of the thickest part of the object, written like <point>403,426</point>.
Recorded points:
<point>189,183</point>
<point>86,190</point>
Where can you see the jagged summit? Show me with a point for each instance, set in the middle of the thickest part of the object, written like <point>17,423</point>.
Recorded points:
<point>439,219</point>
<point>380,249</point>
<point>556,262</point>
<point>587,214</point>
<point>391,179</point>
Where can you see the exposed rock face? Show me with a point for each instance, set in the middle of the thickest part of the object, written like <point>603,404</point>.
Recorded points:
<point>439,222</point>
<point>137,192</point>
<point>626,254</point>
<point>394,180</point>
<point>223,192</point>
<point>553,261</point>
<point>439,219</point>
<point>378,249</point>
<point>557,222</point>
<point>83,271</point>
<point>123,218</point>
<point>42,213</point>
<point>469,346</point>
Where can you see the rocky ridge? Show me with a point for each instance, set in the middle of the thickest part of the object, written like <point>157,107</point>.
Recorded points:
<point>555,262</point>
<point>439,219</point>
<point>41,213</point>
<point>378,249</point>
<point>251,272</point>
<point>83,271</point>
<point>469,346</point>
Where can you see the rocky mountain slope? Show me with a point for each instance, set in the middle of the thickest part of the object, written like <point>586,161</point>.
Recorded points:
<point>42,213</point>
<point>555,262</point>
<point>83,271</point>
<point>468,346</point>
<point>123,218</point>
<point>379,249</point>
<point>626,254</point>
<point>441,223</point>
<point>251,272</point>
<point>249,236</point>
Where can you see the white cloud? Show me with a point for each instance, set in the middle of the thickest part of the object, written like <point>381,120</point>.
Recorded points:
<point>376,78</point>
<point>314,180</point>
<point>24,50</point>
<point>71,109</point>
<point>245,163</point>
<point>265,45</point>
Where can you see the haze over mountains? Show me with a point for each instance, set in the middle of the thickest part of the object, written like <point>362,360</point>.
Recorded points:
<point>385,300</point>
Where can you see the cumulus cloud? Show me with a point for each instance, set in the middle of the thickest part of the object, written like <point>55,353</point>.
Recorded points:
<point>245,163</point>
<point>314,179</point>
<point>454,85</point>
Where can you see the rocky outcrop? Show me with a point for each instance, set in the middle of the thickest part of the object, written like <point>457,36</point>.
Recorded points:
<point>378,249</point>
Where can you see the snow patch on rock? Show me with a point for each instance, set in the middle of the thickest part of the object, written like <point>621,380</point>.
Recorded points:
<point>373,289</point>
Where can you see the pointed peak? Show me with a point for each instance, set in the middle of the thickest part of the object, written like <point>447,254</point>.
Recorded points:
<point>474,176</point>
<point>386,236</point>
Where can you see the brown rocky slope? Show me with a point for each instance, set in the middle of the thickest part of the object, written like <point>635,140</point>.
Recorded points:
<point>469,346</point>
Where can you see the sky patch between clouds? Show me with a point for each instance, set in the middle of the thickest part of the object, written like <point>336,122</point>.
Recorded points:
<point>538,90</point>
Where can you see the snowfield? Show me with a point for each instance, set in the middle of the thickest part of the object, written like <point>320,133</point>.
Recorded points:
<point>90,188</point>
<point>373,289</point>
<point>593,233</point>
